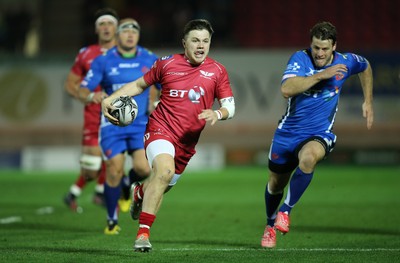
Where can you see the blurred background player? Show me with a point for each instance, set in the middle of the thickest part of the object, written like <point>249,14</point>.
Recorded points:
<point>120,65</point>
<point>312,84</point>
<point>191,82</point>
<point>91,163</point>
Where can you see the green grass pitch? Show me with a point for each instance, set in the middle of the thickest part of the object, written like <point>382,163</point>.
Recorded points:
<point>348,214</point>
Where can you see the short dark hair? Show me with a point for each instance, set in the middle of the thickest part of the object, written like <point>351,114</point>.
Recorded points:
<point>324,31</point>
<point>197,24</point>
<point>105,11</point>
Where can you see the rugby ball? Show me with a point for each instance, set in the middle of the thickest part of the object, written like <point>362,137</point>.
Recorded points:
<point>126,110</point>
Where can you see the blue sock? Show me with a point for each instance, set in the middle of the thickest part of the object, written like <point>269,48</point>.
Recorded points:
<point>272,202</point>
<point>111,195</point>
<point>297,186</point>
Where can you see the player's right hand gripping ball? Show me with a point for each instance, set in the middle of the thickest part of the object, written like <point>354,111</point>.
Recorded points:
<point>126,110</point>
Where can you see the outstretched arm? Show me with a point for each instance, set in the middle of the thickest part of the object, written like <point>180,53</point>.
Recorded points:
<point>366,80</point>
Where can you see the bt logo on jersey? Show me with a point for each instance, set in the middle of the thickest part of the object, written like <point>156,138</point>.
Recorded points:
<point>194,94</point>
<point>177,93</point>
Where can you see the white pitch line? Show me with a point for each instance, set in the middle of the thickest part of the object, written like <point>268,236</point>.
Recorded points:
<point>10,220</point>
<point>15,219</point>
<point>286,249</point>
<point>45,210</point>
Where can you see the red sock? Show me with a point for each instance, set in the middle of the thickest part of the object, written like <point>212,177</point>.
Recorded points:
<point>145,222</point>
<point>80,182</point>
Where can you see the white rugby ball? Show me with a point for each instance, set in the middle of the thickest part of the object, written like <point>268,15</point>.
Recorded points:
<point>126,110</point>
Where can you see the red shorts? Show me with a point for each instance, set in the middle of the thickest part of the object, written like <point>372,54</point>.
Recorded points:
<point>90,136</point>
<point>182,154</point>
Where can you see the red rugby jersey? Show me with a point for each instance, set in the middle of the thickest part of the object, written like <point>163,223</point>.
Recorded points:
<point>80,67</point>
<point>186,91</point>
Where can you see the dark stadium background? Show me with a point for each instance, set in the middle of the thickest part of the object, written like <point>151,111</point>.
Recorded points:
<point>216,213</point>
<point>45,35</point>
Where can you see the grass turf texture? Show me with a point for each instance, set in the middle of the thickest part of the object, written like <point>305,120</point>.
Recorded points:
<point>348,214</point>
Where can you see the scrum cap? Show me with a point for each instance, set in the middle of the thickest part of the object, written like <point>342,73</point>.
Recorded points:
<point>129,25</point>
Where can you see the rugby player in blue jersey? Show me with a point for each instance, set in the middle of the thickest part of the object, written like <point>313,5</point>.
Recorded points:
<point>118,66</point>
<point>311,83</point>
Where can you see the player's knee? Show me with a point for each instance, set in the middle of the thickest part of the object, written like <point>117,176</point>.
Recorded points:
<point>114,176</point>
<point>307,163</point>
<point>164,174</point>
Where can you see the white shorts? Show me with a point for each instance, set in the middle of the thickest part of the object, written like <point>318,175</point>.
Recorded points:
<point>158,147</point>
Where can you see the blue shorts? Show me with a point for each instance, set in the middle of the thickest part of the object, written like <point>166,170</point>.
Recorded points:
<point>283,154</point>
<point>117,143</point>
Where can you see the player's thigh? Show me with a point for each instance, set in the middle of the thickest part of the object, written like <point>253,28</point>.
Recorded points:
<point>115,168</point>
<point>163,156</point>
<point>160,154</point>
<point>113,145</point>
<point>164,167</point>
<point>139,162</point>
<point>313,150</point>
<point>282,157</point>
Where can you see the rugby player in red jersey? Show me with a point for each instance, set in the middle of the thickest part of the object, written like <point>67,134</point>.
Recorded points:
<point>191,82</point>
<point>91,163</point>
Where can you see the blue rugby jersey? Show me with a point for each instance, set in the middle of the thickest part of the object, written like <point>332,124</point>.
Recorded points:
<point>112,71</point>
<point>314,110</point>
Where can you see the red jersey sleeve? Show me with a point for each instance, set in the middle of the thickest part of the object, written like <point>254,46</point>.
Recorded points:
<point>154,75</point>
<point>223,84</point>
<point>84,59</point>
<point>78,67</point>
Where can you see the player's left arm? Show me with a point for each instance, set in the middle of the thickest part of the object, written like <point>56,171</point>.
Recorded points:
<point>227,108</point>
<point>366,79</point>
<point>226,111</point>
<point>225,100</point>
